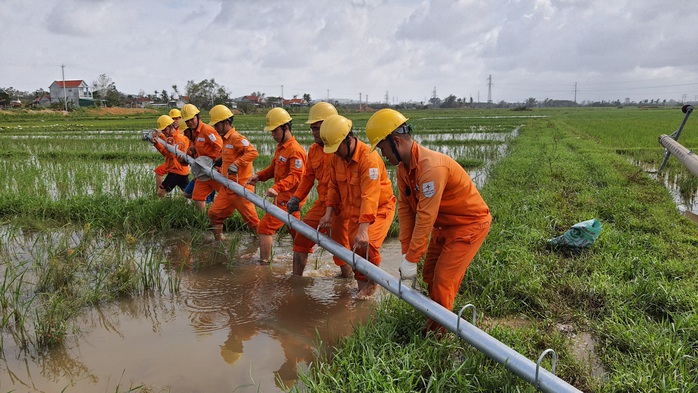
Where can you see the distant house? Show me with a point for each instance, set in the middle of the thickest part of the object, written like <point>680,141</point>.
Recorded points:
<point>44,100</point>
<point>295,102</point>
<point>137,101</point>
<point>179,102</point>
<point>75,91</point>
<point>252,99</point>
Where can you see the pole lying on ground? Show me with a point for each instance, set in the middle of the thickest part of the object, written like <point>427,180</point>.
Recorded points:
<point>687,109</point>
<point>687,157</point>
<point>531,372</point>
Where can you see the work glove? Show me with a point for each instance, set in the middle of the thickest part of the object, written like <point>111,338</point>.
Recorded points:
<point>192,152</point>
<point>232,169</point>
<point>293,205</point>
<point>154,136</point>
<point>407,269</point>
<point>218,162</point>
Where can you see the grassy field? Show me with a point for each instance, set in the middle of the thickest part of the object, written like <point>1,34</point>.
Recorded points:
<point>633,292</point>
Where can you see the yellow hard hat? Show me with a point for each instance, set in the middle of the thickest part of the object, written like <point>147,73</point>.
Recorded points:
<point>276,117</point>
<point>381,124</point>
<point>175,113</point>
<point>333,131</point>
<point>320,112</point>
<point>164,121</point>
<point>229,355</point>
<point>189,111</point>
<point>219,113</point>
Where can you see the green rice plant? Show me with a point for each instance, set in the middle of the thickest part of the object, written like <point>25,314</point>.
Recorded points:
<point>64,271</point>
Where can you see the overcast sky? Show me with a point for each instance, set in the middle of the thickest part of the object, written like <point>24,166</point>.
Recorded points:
<point>608,49</point>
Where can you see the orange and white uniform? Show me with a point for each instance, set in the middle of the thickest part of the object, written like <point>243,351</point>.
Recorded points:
<point>207,142</point>
<point>317,168</point>
<point>162,168</point>
<point>172,164</point>
<point>362,190</point>
<point>239,151</point>
<point>286,169</point>
<point>438,198</point>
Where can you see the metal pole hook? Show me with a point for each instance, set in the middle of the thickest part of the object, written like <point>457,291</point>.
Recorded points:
<point>540,359</point>
<point>461,313</point>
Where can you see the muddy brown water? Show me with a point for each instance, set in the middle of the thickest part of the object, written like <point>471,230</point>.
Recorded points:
<point>243,328</point>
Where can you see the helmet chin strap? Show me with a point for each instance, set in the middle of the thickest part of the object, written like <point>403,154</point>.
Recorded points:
<point>350,153</point>
<point>394,148</point>
<point>283,136</point>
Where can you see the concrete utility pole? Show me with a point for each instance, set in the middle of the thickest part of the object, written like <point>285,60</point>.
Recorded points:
<point>65,92</point>
<point>575,92</point>
<point>359,101</point>
<point>489,90</point>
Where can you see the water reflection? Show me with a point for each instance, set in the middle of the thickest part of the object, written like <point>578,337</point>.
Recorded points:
<point>233,325</point>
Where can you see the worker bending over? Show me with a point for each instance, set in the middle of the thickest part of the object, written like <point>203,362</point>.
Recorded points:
<point>360,191</point>
<point>437,199</point>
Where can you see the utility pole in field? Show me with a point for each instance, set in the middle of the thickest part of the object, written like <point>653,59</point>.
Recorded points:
<point>65,92</point>
<point>575,92</point>
<point>489,91</point>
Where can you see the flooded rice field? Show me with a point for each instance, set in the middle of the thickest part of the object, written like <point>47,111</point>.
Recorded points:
<point>234,325</point>
<point>231,324</point>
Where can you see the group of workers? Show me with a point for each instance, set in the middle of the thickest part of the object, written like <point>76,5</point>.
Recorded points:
<point>442,217</point>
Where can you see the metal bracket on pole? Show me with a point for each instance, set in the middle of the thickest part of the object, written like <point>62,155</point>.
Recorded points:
<point>540,359</point>
<point>461,313</point>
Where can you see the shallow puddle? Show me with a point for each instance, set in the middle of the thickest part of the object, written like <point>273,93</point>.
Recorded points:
<point>236,326</point>
<point>681,186</point>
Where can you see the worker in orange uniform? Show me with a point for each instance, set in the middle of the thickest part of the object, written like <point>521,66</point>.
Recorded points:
<point>161,169</point>
<point>286,168</point>
<point>359,186</point>
<point>237,156</point>
<point>316,169</point>
<point>176,170</point>
<point>437,198</point>
<point>206,143</point>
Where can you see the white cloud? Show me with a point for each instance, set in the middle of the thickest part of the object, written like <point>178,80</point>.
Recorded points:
<point>532,48</point>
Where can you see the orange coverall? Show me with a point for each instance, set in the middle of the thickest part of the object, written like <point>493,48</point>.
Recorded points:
<point>207,142</point>
<point>437,197</point>
<point>287,169</point>
<point>239,151</point>
<point>172,164</point>
<point>162,168</point>
<point>362,190</point>
<point>318,168</point>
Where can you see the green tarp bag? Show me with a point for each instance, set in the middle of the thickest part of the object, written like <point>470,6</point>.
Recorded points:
<point>582,234</point>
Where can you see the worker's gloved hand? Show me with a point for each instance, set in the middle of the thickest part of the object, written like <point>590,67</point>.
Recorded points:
<point>293,205</point>
<point>154,136</point>
<point>407,269</point>
<point>232,169</point>
<point>218,162</point>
